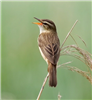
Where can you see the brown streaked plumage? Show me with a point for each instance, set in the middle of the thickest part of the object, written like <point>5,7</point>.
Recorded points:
<point>49,46</point>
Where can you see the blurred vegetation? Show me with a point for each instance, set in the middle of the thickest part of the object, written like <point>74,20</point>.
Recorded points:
<point>22,68</point>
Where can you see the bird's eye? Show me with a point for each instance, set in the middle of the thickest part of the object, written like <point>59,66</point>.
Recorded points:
<point>45,23</point>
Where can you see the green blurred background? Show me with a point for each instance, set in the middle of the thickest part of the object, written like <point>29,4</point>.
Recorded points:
<point>22,68</point>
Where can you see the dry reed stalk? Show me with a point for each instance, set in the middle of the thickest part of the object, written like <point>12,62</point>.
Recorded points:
<point>86,57</point>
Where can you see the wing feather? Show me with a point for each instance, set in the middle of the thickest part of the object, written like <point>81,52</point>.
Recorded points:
<point>50,47</point>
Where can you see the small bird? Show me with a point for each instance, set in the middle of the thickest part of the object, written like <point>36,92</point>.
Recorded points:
<point>49,46</point>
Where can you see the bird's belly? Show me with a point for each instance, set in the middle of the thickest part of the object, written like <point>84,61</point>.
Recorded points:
<point>43,55</point>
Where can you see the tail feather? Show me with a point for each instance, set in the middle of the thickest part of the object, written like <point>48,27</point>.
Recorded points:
<point>52,75</point>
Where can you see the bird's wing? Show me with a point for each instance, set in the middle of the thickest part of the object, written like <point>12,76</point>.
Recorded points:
<point>50,49</point>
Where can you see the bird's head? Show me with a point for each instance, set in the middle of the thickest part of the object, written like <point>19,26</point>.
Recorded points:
<point>45,25</point>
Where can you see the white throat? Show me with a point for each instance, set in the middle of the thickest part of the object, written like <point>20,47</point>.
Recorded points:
<point>42,29</point>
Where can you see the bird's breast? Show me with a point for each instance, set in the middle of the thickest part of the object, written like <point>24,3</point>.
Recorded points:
<point>43,55</point>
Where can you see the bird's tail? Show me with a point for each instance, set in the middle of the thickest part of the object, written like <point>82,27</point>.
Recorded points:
<point>52,75</point>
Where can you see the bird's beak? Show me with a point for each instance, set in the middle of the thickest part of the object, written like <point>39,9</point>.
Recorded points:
<point>37,22</point>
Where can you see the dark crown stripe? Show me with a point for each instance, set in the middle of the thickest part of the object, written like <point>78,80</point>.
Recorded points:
<point>48,22</point>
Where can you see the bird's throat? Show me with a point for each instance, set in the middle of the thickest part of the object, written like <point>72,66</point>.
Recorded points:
<point>42,29</point>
